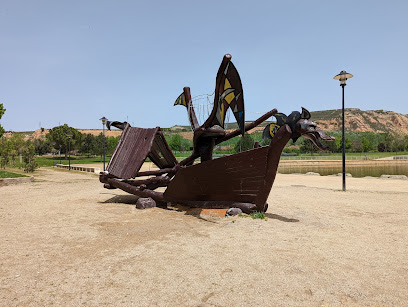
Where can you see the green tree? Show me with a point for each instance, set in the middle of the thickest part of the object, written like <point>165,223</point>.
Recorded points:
<point>246,142</point>
<point>42,145</point>
<point>30,163</point>
<point>347,143</point>
<point>58,136</point>
<point>2,110</point>
<point>111,143</point>
<point>4,150</point>
<point>366,144</point>
<point>381,147</point>
<point>88,144</point>
<point>98,145</point>
<point>16,146</point>
<point>176,141</point>
<point>307,146</point>
<point>397,142</point>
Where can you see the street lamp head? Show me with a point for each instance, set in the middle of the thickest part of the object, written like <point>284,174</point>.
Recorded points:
<point>342,77</point>
<point>104,120</point>
<point>69,136</point>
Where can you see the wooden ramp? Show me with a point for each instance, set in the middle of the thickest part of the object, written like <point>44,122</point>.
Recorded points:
<point>135,145</point>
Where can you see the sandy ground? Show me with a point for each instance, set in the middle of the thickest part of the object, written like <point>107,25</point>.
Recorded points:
<point>66,241</point>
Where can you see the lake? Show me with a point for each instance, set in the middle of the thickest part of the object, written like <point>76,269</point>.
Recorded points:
<point>356,169</point>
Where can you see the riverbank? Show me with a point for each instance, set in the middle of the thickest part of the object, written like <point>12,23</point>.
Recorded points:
<point>67,241</point>
<point>357,168</point>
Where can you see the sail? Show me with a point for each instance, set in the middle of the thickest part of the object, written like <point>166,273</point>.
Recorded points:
<point>185,100</point>
<point>181,100</point>
<point>228,94</point>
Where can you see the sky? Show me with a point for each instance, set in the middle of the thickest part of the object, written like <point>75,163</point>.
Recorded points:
<point>75,61</point>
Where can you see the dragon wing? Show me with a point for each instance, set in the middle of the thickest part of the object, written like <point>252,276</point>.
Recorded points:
<point>228,94</point>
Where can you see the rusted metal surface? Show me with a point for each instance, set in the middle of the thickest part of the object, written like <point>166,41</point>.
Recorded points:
<point>243,180</point>
<point>190,109</point>
<point>158,196</point>
<point>131,152</point>
<point>135,145</point>
<point>247,176</point>
<point>236,177</point>
<point>248,127</point>
<point>160,152</point>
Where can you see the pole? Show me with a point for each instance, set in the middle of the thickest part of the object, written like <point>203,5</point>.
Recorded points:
<point>343,141</point>
<point>103,125</point>
<point>69,154</point>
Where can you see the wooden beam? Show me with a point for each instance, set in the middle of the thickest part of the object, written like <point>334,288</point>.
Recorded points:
<point>247,127</point>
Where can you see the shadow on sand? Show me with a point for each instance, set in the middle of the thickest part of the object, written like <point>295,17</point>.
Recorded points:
<point>280,218</point>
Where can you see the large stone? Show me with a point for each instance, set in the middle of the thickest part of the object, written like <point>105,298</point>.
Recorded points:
<point>144,203</point>
<point>233,211</point>
<point>394,177</point>
<point>312,174</point>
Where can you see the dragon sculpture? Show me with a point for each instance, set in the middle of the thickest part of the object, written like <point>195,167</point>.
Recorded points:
<point>243,180</point>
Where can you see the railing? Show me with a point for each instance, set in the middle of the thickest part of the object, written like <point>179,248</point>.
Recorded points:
<point>87,169</point>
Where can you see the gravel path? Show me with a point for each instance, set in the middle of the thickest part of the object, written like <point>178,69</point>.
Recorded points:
<point>66,241</point>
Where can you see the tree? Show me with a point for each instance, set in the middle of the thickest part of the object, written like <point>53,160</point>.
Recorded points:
<point>111,143</point>
<point>381,147</point>
<point>347,143</point>
<point>307,146</point>
<point>176,141</point>
<point>16,146</point>
<point>4,151</point>
<point>397,142</point>
<point>246,142</point>
<point>2,110</point>
<point>366,144</point>
<point>88,144</point>
<point>42,145</point>
<point>30,163</point>
<point>58,137</point>
<point>98,145</point>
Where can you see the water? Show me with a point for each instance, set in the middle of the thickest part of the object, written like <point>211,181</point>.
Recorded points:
<point>356,170</point>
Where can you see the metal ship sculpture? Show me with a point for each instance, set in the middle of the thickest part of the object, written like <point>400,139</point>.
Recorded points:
<point>243,180</point>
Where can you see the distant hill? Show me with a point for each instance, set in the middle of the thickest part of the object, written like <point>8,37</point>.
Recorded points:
<point>362,121</point>
<point>42,132</point>
<point>355,120</point>
<point>377,121</point>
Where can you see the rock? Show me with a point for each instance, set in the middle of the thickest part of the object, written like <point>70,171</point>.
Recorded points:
<point>347,174</point>
<point>403,177</point>
<point>143,203</point>
<point>313,174</point>
<point>233,211</point>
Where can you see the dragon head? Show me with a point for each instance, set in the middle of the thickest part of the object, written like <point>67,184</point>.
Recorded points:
<point>307,129</point>
<point>300,126</point>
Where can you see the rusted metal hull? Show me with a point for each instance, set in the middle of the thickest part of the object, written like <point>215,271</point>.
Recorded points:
<point>245,177</point>
<point>242,180</point>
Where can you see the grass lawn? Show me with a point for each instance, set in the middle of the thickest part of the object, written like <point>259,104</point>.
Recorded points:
<point>5,174</point>
<point>50,161</point>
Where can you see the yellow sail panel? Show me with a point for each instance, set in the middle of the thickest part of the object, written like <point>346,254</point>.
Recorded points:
<point>227,84</point>
<point>181,100</point>
<point>229,97</point>
<point>273,128</point>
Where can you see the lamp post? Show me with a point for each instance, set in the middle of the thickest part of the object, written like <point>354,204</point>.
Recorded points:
<point>342,77</point>
<point>104,120</point>
<point>60,152</point>
<point>69,151</point>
